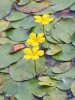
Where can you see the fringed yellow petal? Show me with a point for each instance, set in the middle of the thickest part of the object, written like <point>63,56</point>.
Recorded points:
<point>40,35</point>
<point>27,51</point>
<point>35,49</point>
<point>45,16</point>
<point>40,52</point>
<point>32,36</point>
<point>27,57</point>
<point>29,41</point>
<point>50,19</point>
<point>41,40</point>
<point>35,43</point>
<point>35,57</point>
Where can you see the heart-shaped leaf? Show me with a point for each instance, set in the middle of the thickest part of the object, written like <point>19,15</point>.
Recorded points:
<point>54,49</point>
<point>47,81</point>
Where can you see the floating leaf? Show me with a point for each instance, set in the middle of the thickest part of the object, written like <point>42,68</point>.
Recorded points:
<point>68,52</point>
<point>55,95</point>
<point>61,68</point>
<point>1,97</point>
<point>4,70</point>
<point>73,87</point>
<point>73,7</point>
<point>46,80</point>
<point>5,6</point>
<point>23,2</point>
<point>3,25</point>
<point>33,6</point>
<point>17,34</point>
<point>73,39</point>
<point>24,69</point>
<point>1,80</point>
<point>28,23</point>
<point>7,40</point>
<point>62,4</point>
<point>64,84</point>
<point>45,11</point>
<point>70,74</point>
<point>54,49</point>
<point>9,87</point>
<point>63,30</point>
<point>5,58</point>
<point>14,16</point>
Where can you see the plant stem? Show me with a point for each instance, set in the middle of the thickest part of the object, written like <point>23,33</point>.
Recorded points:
<point>35,67</point>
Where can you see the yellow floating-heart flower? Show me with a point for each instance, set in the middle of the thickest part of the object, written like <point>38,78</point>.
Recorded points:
<point>44,19</point>
<point>35,40</point>
<point>33,53</point>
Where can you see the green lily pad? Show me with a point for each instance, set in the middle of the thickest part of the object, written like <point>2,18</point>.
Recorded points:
<point>54,49</point>
<point>23,2</point>
<point>64,84</point>
<point>3,25</point>
<point>73,87</point>
<point>4,70</point>
<point>50,39</point>
<point>55,95</point>
<point>24,69</point>
<point>5,58</point>
<point>73,39</point>
<point>62,4</point>
<point>63,30</point>
<point>47,81</point>
<point>61,68</point>
<point>70,74</point>
<point>10,87</point>
<point>67,53</point>
<point>37,30</point>
<point>1,97</point>
<point>28,23</point>
<point>5,7</point>
<point>73,7</point>
<point>14,16</point>
<point>7,40</point>
<point>17,34</point>
<point>33,6</point>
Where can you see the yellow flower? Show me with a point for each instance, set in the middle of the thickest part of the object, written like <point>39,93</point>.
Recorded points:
<point>34,39</point>
<point>33,53</point>
<point>44,19</point>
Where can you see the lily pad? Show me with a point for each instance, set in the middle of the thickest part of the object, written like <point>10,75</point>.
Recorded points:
<point>14,16</point>
<point>47,81</point>
<point>73,87</point>
<point>70,74</point>
<point>73,7</point>
<point>73,39</point>
<point>5,58</point>
<point>55,95</point>
<point>5,7</point>
<point>1,97</point>
<point>7,40</point>
<point>28,23</point>
<point>8,87</point>
<point>68,52</point>
<point>64,84</point>
<point>62,4</point>
<point>24,69</point>
<point>63,30</point>
<point>61,68</point>
<point>17,34</point>
<point>3,25</point>
<point>33,6</point>
<point>54,49</point>
<point>23,2</point>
